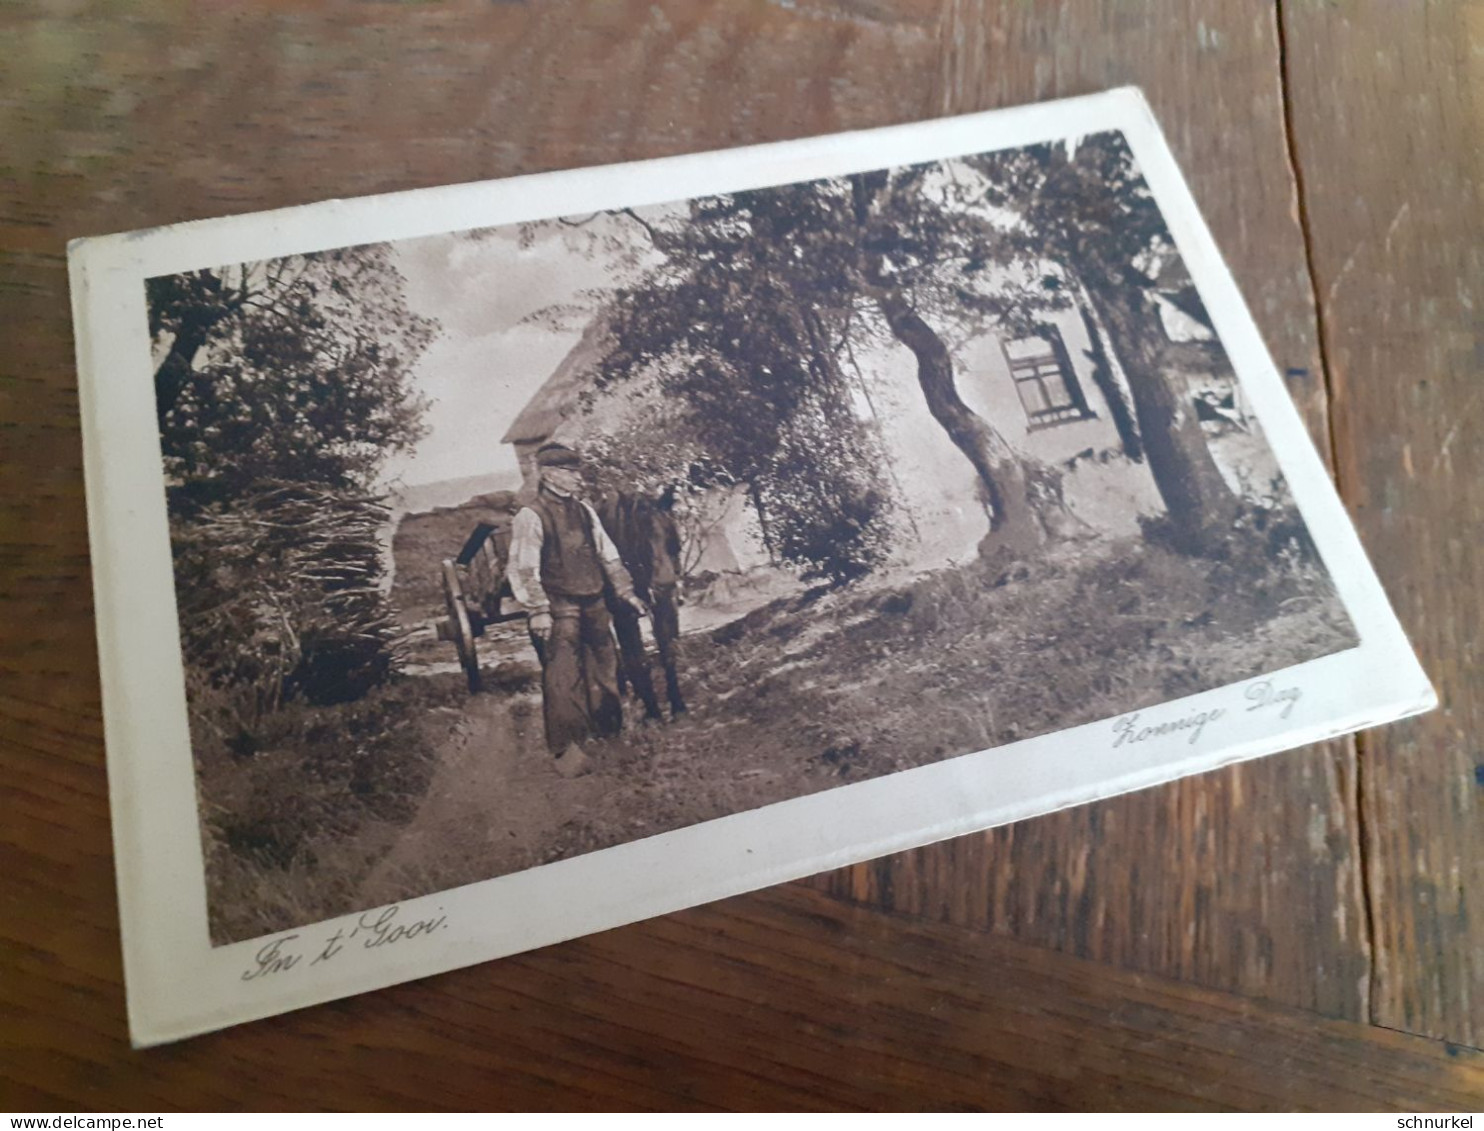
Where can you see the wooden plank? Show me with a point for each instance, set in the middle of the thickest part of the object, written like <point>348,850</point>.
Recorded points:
<point>1246,879</point>
<point>1387,120</point>
<point>123,118</point>
<point>783,1000</point>
<point>1221,880</point>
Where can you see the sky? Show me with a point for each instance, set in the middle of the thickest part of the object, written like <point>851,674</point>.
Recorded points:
<point>489,359</point>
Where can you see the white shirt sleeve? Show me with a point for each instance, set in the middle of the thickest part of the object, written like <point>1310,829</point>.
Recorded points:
<point>524,567</point>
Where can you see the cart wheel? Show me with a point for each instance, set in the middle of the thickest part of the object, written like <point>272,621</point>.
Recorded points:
<point>461,630</point>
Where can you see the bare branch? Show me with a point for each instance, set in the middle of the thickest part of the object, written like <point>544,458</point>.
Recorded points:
<point>654,236</point>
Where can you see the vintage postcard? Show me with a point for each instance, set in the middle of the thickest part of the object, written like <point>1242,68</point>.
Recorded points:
<point>483,566</point>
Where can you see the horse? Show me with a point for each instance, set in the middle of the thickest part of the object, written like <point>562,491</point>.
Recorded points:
<point>648,540</point>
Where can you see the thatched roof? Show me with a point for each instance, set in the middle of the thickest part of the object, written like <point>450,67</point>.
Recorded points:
<point>557,398</point>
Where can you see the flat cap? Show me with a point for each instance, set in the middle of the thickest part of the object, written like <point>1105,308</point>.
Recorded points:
<point>557,455</point>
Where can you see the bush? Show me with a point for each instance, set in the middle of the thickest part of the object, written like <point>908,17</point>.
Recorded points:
<point>1265,538</point>
<point>280,597</point>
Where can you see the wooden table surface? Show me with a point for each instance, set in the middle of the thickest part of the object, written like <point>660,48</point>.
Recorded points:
<point>1303,931</point>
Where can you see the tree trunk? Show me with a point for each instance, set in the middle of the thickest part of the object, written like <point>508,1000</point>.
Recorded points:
<point>762,521</point>
<point>1107,382</point>
<point>1014,522</point>
<point>175,370</point>
<point>1200,506</point>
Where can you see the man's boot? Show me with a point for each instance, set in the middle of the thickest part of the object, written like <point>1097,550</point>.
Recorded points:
<point>573,762</point>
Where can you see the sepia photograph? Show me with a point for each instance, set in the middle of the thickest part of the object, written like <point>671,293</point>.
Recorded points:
<point>508,545</point>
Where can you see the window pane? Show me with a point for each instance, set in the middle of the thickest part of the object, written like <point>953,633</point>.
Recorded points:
<point>1032,396</point>
<point>1057,392</point>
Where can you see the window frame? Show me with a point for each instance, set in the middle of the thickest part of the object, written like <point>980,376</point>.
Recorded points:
<point>1075,407</point>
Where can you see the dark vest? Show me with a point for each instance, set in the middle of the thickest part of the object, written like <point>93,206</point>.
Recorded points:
<point>569,557</point>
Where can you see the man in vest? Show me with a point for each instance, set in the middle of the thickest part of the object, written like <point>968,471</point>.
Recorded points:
<point>561,563</point>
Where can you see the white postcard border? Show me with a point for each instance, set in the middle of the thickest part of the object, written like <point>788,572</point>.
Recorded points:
<point>178,985</point>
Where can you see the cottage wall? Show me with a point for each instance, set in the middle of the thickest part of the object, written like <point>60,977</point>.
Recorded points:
<point>525,458</point>
<point>945,515</point>
<point>1102,486</point>
<point>987,387</point>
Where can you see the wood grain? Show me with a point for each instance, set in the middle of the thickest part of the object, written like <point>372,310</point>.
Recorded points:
<point>1247,880</point>
<point>783,1000</point>
<point>1387,120</point>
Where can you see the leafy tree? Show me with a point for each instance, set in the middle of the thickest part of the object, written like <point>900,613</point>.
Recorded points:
<point>924,256</point>
<point>1086,207</point>
<point>652,455</point>
<point>760,293</point>
<point>741,328</point>
<point>280,388</point>
<point>295,370</point>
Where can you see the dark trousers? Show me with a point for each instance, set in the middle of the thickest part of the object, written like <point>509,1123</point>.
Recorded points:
<point>579,673</point>
<point>633,669</point>
<point>665,613</point>
<point>634,672</point>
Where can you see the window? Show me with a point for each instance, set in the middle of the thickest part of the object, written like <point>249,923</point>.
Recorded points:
<point>1043,375</point>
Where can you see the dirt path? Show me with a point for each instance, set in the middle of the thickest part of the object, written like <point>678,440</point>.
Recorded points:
<point>493,805</point>
<point>496,803</point>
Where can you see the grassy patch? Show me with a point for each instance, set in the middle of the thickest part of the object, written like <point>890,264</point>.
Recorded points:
<point>800,697</point>
<point>306,792</point>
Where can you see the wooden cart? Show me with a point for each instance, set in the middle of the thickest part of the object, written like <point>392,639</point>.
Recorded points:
<point>476,593</point>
